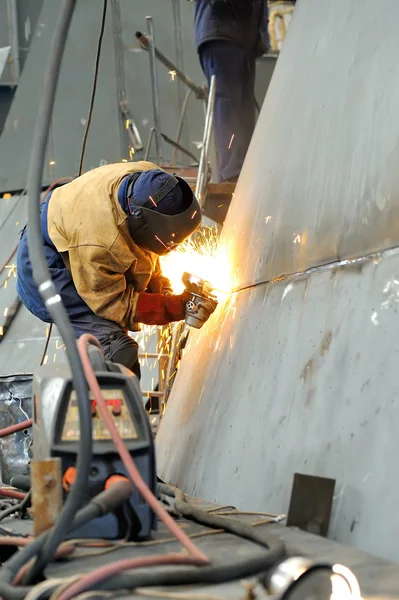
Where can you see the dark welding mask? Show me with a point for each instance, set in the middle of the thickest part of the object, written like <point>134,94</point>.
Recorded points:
<point>157,232</point>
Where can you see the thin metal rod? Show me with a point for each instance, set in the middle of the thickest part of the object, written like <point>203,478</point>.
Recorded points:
<point>181,123</point>
<point>197,89</point>
<point>154,88</point>
<point>203,164</point>
<point>14,39</point>
<point>182,149</point>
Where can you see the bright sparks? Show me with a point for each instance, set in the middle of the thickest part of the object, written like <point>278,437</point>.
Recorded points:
<point>12,270</point>
<point>205,258</point>
<point>297,239</point>
<point>231,141</point>
<point>159,240</point>
<point>172,75</point>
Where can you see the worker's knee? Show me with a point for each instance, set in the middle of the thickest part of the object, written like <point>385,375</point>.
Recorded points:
<point>121,348</point>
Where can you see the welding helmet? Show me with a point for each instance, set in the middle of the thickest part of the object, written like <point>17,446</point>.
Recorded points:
<point>163,210</point>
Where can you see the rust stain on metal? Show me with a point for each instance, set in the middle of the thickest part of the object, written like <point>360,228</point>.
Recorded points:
<point>46,493</point>
<point>325,342</point>
<point>308,369</point>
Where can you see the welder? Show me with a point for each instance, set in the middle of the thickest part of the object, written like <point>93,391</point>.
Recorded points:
<point>229,35</point>
<point>103,234</point>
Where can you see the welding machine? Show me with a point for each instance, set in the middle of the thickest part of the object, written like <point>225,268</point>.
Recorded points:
<point>56,434</point>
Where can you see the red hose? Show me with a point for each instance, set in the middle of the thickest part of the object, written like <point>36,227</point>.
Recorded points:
<point>62,552</point>
<point>15,428</point>
<point>9,540</point>
<point>127,460</point>
<point>88,581</point>
<point>11,493</point>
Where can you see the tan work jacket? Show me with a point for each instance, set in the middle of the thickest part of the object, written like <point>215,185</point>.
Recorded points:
<point>87,224</point>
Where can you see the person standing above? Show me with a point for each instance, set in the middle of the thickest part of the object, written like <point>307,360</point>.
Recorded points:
<point>229,35</point>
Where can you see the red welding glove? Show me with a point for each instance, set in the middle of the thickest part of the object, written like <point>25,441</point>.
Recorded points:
<point>161,309</point>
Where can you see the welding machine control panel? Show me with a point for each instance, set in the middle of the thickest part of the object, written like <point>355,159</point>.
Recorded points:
<point>117,406</point>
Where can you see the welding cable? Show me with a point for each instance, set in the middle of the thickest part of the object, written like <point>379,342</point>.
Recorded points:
<point>214,521</point>
<point>249,562</point>
<point>106,571</point>
<point>126,458</point>
<point>237,568</point>
<point>20,507</point>
<point>94,88</point>
<point>11,493</point>
<point>16,427</point>
<point>105,502</point>
<point>48,291</point>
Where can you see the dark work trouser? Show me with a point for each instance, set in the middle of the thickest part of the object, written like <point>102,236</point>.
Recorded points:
<point>234,118</point>
<point>119,347</point>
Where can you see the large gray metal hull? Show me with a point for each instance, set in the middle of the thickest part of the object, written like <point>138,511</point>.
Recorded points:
<point>297,370</point>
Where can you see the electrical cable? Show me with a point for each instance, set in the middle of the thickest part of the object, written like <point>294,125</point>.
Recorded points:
<point>94,88</point>
<point>253,561</point>
<point>20,507</point>
<point>107,571</point>
<point>42,278</point>
<point>243,530</point>
<point>46,345</point>
<point>235,569</point>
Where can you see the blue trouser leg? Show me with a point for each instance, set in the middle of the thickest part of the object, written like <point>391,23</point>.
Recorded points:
<point>234,102</point>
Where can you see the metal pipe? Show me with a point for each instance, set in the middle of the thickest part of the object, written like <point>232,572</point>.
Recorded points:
<point>179,57</point>
<point>155,91</point>
<point>203,164</point>
<point>14,38</point>
<point>147,150</point>
<point>198,90</point>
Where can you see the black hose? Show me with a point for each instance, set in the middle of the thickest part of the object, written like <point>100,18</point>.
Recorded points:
<point>243,530</point>
<point>20,507</point>
<point>94,88</point>
<point>252,562</point>
<point>50,296</point>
